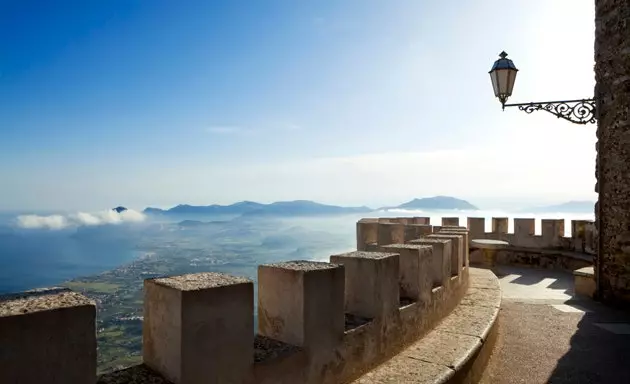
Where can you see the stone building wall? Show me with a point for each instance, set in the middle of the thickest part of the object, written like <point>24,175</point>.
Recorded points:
<point>612,92</point>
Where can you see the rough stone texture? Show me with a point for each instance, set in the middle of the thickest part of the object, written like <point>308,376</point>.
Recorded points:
<point>451,349</point>
<point>407,370</point>
<point>410,269</point>
<point>137,374</point>
<point>457,250</point>
<point>500,224</point>
<point>391,233</point>
<point>450,221</point>
<point>584,286</point>
<point>612,92</point>
<point>40,300</point>
<point>47,336</point>
<point>404,220</point>
<point>416,231</point>
<point>371,282</point>
<point>552,232</point>
<point>482,297</point>
<point>451,352</point>
<point>462,231</point>
<point>365,346</point>
<point>182,311</point>
<point>422,220</point>
<point>441,266</point>
<point>582,235</point>
<point>524,227</point>
<point>367,233</point>
<point>476,227</point>
<point>568,261</point>
<point>470,320</point>
<point>198,328</point>
<point>197,281</point>
<point>268,349</point>
<point>301,303</point>
<point>584,282</point>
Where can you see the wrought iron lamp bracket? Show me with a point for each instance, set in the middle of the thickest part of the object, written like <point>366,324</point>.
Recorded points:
<point>576,111</point>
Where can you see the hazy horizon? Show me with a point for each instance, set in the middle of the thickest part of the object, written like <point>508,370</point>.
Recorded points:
<point>504,204</point>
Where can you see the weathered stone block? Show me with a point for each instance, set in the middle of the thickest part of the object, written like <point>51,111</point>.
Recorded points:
<point>441,259</point>
<point>524,227</point>
<point>500,225</point>
<point>198,328</point>
<point>301,303</point>
<point>391,233</point>
<point>416,231</point>
<point>457,250</point>
<point>476,227</point>
<point>579,240</point>
<point>584,282</point>
<point>422,220</point>
<point>367,233</point>
<point>47,336</point>
<point>552,231</point>
<point>415,264</point>
<point>462,231</point>
<point>404,220</point>
<point>450,221</point>
<point>371,283</point>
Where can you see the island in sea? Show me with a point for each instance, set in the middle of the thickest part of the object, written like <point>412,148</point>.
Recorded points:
<point>437,203</point>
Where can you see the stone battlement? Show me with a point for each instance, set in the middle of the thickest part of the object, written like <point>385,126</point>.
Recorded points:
<point>318,322</point>
<point>373,232</point>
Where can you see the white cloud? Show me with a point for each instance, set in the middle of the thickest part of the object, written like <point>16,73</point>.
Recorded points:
<point>56,222</point>
<point>35,221</point>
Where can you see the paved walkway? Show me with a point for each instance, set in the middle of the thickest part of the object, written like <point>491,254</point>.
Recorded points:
<point>548,336</point>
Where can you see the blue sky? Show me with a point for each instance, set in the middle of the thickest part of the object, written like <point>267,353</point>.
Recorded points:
<point>350,102</point>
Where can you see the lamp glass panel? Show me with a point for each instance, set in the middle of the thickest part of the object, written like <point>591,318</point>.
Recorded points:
<point>495,85</point>
<point>510,81</point>
<point>503,81</point>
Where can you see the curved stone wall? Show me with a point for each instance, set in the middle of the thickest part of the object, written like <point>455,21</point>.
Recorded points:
<point>318,322</point>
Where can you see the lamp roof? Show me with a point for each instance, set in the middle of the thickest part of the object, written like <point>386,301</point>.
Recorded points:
<point>503,63</point>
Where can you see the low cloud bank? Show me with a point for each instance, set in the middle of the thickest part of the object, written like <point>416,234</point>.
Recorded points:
<point>56,222</point>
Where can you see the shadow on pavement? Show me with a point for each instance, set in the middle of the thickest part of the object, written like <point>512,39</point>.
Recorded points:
<point>595,355</point>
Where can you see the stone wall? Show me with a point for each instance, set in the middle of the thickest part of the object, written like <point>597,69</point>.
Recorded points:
<point>318,322</point>
<point>552,249</point>
<point>612,92</point>
<point>371,232</point>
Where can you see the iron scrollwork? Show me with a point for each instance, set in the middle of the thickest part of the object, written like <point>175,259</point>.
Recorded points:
<point>575,111</point>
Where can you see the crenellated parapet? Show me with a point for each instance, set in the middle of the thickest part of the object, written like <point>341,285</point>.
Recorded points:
<point>552,235</point>
<point>318,322</point>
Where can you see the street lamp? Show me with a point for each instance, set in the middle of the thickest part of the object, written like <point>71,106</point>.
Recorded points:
<point>503,75</point>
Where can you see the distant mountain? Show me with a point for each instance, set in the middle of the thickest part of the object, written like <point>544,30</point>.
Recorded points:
<point>303,208</point>
<point>252,209</point>
<point>583,206</point>
<point>119,209</point>
<point>436,203</point>
<point>214,209</point>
